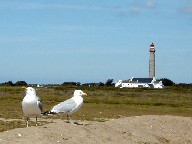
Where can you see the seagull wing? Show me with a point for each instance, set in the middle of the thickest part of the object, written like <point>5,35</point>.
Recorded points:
<point>39,103</point>
<point>65,106</point>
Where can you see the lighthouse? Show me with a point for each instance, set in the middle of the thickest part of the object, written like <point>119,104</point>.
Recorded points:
<point>152,61</point>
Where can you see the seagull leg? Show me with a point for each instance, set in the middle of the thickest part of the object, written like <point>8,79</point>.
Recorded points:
<point>36,120</point>
<point>68,118</point>
<point>27,121</point>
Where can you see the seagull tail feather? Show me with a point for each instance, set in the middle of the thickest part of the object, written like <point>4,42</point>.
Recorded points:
<point>48,112</point>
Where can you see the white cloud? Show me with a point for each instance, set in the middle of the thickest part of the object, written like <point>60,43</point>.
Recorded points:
<point>67,27</point>
<point>28,6</point>
<point>17,39</point>
<point>187,9</point>
<point>140,7</point>
<point>150,4</point>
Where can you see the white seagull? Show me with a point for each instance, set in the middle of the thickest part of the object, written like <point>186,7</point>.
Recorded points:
<point>69,106</point>
<point>31,104</point>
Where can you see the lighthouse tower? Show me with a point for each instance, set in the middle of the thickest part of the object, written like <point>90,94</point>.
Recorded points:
<point>152,61</point>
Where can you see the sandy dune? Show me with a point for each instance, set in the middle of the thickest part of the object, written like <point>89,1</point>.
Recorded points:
<point>140,129</point>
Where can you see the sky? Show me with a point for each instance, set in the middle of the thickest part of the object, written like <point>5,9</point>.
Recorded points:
<point>56,41</point>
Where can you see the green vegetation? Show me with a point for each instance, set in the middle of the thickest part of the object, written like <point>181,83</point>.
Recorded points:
<point>166,82</point>
<point>103,102</point>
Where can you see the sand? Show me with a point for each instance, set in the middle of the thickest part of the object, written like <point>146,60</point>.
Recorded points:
<point>147,129</point>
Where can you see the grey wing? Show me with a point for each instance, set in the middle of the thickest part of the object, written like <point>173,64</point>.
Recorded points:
<point>38,98</point>
<point>65,106</point>
<point>39,103</point>
<point>22,103</point>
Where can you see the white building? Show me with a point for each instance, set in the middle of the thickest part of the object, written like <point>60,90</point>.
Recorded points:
<point>150,82</point>
<point>139,83</point>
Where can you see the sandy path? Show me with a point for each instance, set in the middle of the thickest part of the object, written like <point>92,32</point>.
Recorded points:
<point>139,129</point>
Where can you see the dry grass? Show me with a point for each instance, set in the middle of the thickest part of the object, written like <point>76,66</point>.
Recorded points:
<point>102,103</point>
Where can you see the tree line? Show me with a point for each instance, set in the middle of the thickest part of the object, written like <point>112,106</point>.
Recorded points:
<point>109,82</point>
<point>18,83</point>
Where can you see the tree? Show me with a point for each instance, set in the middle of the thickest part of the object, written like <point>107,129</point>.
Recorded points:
<point>71,83</point>
<point>109,82</point>
<point>9,83</point>
<point>167,82</point>
<point>20,83</point>
<point>101,84</point>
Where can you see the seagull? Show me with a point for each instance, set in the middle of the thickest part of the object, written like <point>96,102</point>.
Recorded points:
<point>31,104</point>
<point>69,106</point>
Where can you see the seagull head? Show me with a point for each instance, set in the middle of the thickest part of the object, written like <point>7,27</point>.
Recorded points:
<point>29,90</point>
<point>79,93</point>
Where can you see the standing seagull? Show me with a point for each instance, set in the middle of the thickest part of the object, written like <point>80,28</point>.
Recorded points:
<point>31,104</point>
<point>69,106</point>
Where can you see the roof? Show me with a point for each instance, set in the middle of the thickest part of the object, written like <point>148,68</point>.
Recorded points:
<point>126,81</point>
<point>143,80</point>
<point>152,45</point>
<point>138,80</point>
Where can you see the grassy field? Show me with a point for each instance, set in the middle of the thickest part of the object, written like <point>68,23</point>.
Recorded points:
<point>102,103</point>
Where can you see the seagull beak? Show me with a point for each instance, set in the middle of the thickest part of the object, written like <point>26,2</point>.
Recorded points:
<point>24,87</point>
<point>85,94</point>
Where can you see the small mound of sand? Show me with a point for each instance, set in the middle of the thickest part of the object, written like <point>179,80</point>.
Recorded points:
<point>139,129</point>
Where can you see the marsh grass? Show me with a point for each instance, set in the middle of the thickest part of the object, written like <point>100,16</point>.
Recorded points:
<point>101,104</point>
<point>7,125</point>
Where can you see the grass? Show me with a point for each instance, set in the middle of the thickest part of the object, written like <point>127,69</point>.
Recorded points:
<point>102,103</point>
<point>7,125</point>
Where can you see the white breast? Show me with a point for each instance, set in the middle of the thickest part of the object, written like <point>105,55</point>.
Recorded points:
<point>30,107</point>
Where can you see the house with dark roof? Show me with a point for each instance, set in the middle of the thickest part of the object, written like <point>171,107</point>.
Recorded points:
<point>139,83</point>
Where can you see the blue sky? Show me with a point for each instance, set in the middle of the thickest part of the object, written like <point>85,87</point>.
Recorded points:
<point>55,41</point>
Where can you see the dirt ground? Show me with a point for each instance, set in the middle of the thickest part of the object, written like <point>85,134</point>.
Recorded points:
<point>147,129</point>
